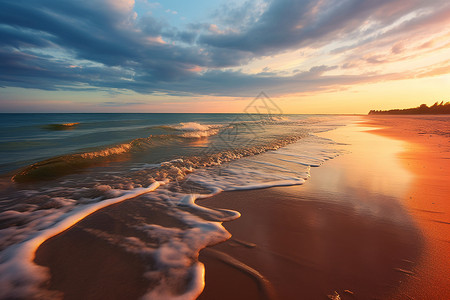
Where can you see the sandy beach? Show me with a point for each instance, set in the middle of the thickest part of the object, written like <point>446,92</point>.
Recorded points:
<point>427,156</point>
<point>180,150</point>
<point>351,229</point>
<point>344,230</point>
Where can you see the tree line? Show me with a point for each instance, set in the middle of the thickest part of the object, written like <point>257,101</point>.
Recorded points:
<point>436,109</point>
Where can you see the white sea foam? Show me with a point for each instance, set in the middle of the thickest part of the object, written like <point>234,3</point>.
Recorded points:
<point>196,130</point>
<point>174,256</point>
<point>177,256</point>
<point>19,276</point>
<point>200,133</point>
<point>301,162</point>
<point>270,168</point>
<point>176,252</point>
<point>192,126</point>
<point>154,166</point>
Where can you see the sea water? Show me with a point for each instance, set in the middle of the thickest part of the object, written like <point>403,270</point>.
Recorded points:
<point>59,168</point>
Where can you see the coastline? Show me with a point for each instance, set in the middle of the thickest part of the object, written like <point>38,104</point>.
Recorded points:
<point>344,230</point>
<point>347,229</point>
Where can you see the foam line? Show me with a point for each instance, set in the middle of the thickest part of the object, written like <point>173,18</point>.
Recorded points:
<point>264,185</point>
<point>174,255</point>
<point>295,155</point>
<point>194,289</point>
<point>299,162</point>
<point>16,262</point>
<point>189,200</point>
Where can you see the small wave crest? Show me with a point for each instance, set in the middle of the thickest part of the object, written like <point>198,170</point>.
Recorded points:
<point>70,163</point>
<point>62,126</point>
<point>67,164</point>
<point>193,126</point>
<point>194,129</point>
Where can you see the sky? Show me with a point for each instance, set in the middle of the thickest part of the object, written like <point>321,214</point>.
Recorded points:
<point>308,56</point>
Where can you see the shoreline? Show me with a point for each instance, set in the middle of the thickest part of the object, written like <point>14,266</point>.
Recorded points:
<point>344,230</point>
<point>347,229</point>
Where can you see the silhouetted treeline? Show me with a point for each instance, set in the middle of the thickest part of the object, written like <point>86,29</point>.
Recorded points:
<point>435,109</point>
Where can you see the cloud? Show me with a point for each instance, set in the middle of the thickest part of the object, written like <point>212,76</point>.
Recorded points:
<point>120,104</point>
<point>113,48</point>
<point>435,70</point>
<point>290,24</point>
<point>169,11</point>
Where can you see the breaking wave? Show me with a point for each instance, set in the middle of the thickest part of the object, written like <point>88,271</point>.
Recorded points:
<point>67,164</point>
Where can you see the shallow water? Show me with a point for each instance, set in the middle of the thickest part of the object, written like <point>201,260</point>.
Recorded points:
<point>60,168</point>
<point>28,138</point>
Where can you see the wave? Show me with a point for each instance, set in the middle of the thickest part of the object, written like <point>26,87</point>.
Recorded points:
<point>193,129</point>
<point>193,126</point>
<point>71,163</point>
<point>176,248</point>
<point>173,249</point>
<point>243,170</point>
<point>62,126</point>
<point>67,164</point>
<point>32,213</point>
<point>200,133</point>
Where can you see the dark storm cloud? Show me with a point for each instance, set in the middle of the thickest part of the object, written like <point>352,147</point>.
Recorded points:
<point>100,44</point>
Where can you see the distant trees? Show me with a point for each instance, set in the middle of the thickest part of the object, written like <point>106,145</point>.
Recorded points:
<point>436,109</point>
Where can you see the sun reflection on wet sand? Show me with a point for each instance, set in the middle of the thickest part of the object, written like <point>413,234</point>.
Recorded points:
<point>427,158</point>
<point>347,228</point>
<point>372,168</point>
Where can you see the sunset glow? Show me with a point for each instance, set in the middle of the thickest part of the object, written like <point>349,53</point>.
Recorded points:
<point>141,56</point>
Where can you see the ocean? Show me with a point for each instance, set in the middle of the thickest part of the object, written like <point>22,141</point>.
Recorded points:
<point>56,169</point>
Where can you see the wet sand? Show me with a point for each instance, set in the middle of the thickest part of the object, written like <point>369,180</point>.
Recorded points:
<point>308,248</point>
<point>87,261</point>
<point>345,230</point>
<point>348,229</point>
<point>427,156</point>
